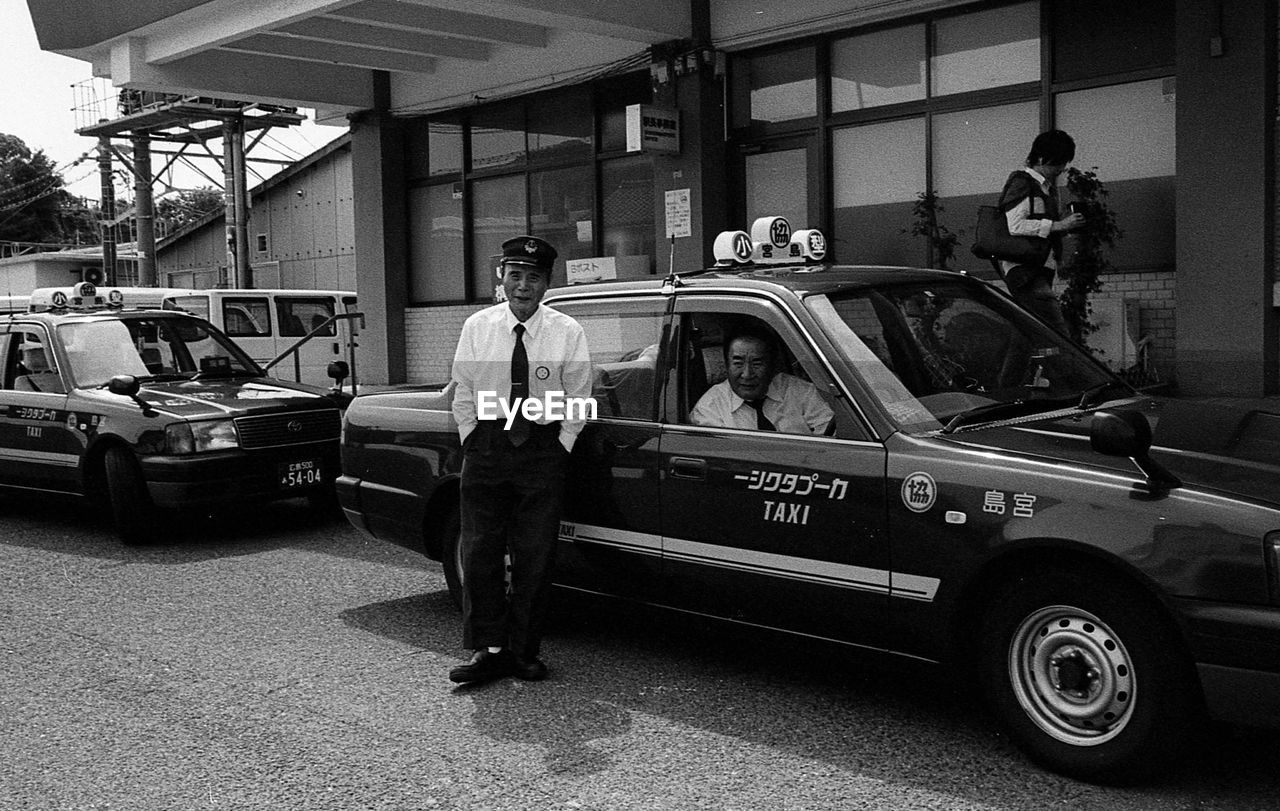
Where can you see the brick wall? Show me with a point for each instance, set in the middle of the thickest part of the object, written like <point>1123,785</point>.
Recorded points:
<point>431,335</point>
<point>1153,291</point>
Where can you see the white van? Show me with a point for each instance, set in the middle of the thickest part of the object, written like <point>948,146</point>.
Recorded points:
<point>267,323</point>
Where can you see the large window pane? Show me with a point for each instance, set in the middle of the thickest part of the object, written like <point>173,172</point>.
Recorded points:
<point>973,153</point>
<point>775,87</point>
<point>984,49</point>
<point>436,271</point>
<point>497,138</point>
<point>627,201</point>
<point>498,214</point>
<point>444,141</point>
<point>561,205</point>
<point>1103,37</point>
<point>884,67</point>
<point>777,186</point>
<point>1126,133</point>
<point>879,170</point>
<point>560,128</point>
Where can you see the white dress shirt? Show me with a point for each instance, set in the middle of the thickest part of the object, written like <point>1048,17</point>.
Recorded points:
<point>791,404</point>
<point>559,363</point>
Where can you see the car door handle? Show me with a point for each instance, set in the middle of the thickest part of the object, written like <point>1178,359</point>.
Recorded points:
<point>682,467</point>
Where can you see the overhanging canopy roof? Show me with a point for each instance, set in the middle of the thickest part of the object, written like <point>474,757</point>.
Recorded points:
<point>438,53</point>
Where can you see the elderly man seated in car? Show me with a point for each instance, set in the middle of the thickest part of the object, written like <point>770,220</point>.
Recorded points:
<point>757,395</point>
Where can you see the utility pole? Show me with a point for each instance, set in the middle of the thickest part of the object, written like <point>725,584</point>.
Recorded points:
<point>108,211</point>
<point>144,210</point>
<point>235,208</point>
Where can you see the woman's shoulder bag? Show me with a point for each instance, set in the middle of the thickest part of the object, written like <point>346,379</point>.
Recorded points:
<point>992,239</point>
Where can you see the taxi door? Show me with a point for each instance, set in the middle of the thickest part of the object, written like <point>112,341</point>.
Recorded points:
<point>781,530</point>
<point>40,448</point>
<point>610,537</point>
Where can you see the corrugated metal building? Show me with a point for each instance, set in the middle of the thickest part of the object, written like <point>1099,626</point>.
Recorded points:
<point>301,231</point>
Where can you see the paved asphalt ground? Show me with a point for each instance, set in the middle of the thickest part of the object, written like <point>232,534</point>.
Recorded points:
<point>270,659</point>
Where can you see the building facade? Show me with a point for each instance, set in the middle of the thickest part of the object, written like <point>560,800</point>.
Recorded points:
<point>471,123</point>
<point>301,232</point>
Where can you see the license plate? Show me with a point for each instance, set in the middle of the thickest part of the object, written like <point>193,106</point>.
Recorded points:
<point>303,473</point>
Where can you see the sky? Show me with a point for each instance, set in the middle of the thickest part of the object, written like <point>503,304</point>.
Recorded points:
<point>37,100</point>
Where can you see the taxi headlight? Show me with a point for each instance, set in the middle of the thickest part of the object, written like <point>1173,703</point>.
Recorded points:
<point>196,437</point>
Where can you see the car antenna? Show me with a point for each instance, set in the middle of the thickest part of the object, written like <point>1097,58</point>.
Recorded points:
<point>672,281</point>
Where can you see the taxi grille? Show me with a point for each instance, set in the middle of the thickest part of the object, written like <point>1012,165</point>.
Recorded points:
<point>292,428</point>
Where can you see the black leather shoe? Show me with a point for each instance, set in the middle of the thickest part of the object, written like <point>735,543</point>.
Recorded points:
<point>529,669</point>
<point>484,666</point>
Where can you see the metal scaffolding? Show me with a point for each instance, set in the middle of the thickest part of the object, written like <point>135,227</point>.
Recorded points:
<point>183,126</point>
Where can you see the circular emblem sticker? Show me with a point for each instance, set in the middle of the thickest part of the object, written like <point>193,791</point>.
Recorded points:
<point>542,373</point>
<point>115,297</point>
<point>919,491</point>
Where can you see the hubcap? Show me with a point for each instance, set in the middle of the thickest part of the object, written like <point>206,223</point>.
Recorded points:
<point>1072,675</point>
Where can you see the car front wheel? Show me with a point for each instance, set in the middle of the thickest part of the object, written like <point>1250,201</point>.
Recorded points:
<point>131,507</point>
<point>1088,677</point>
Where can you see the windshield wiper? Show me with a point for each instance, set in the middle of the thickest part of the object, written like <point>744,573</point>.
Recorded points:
<point>1093,394</point>
<point>991,412</point>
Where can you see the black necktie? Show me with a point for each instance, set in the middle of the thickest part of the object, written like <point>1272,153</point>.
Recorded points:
<point>519,387</point>
<point>762,422</point>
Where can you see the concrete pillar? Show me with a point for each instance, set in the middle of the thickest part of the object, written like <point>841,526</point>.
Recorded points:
<point>696,91</point>
<point>1226,323</point>
<point>378,179</point>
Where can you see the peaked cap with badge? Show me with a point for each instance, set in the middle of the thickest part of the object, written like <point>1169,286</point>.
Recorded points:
<point>527,250</point>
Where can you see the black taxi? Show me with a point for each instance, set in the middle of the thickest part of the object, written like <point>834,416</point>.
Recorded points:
<point>969,488</point>
<point>152,410</point>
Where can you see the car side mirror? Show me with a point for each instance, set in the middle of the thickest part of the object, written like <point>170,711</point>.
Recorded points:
<point>1127,433</point>
<point>124,385</point>
<point>338,370</point>
<point>128,386</point>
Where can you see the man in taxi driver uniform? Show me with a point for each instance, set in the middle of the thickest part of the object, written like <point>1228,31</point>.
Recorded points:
<point>513,469</point>
<point>757,395</point>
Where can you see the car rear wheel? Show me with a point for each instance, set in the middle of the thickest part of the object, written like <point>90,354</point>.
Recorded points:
<point>1088,677</point>
<point>134,513</point>
<point>451,558</point>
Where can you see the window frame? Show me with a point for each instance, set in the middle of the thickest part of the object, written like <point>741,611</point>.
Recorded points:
<point>754,137</point>
<point>603,97</point>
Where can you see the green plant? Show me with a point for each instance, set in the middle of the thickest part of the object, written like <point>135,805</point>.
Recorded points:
<point>1084,259</point>
<point>924,223</point>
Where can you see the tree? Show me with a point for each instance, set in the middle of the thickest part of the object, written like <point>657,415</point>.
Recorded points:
<point>31,194</point>
<point>188,206</point>
<point>1084,255</point>
<point>924,223</point>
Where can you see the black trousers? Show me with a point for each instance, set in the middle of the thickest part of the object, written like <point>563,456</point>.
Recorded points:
<point>1032,287</point>
<point>511,503</point>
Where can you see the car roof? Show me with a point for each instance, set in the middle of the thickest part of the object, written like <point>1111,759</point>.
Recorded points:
<point>802,280</point>
<point>98,314</point>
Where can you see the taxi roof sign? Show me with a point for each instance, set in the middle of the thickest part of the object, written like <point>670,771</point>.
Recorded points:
<point>80,296</point>
<point>771,242</point>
